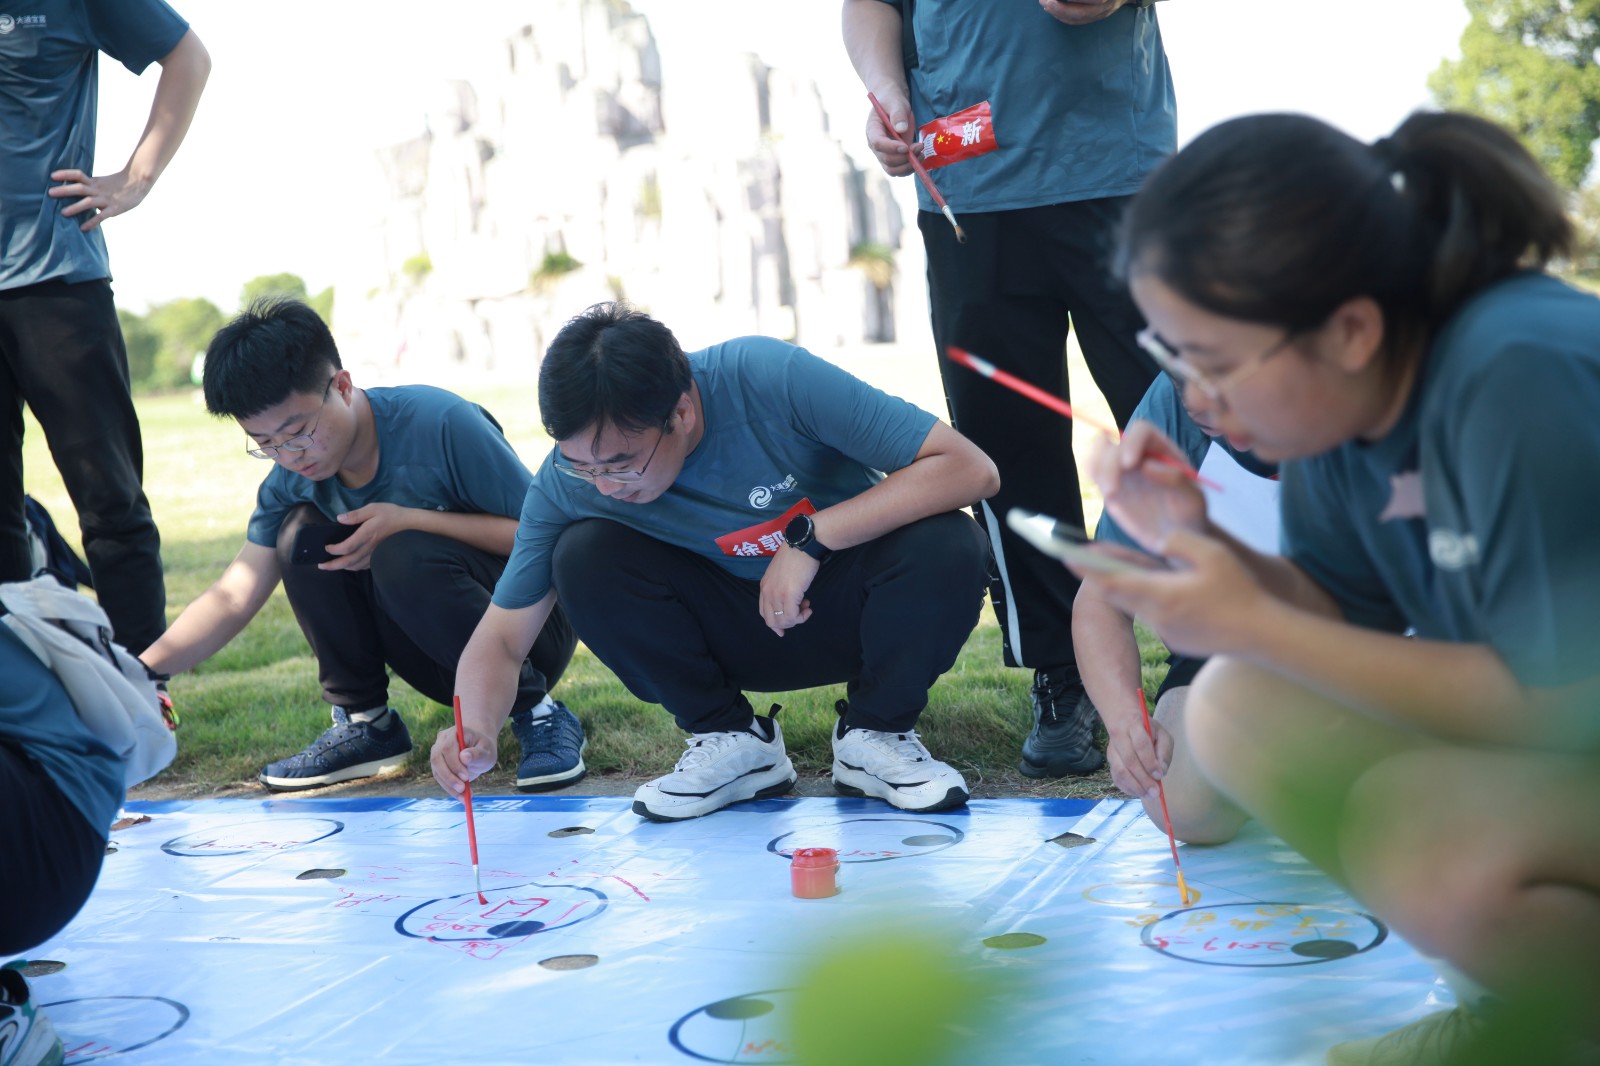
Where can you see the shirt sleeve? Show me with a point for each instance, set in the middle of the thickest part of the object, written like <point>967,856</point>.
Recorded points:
<point>136,33</point>
<point>489,476</point>
<point>843,412</point>
<point>1518,452</point>
<point>526,578</point>
<point>1162,407</point>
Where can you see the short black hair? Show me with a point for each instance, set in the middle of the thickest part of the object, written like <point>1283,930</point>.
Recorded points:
<point>275,347</point>
<point>611,366</point>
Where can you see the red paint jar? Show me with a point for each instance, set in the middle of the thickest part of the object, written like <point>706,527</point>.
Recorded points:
<point>813,871</point>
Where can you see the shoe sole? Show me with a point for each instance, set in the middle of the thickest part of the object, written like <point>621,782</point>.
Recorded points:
<point>778,788</point>
<point>551,782</point>
<point>349,773</point>
<point>875,788</point>
<point>1042,770</point>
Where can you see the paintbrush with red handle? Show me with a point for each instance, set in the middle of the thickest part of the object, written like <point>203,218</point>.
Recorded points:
<point>918,166</point>
<point>1061,407</point>
<point>1183,887</point>
<point>466,798</point>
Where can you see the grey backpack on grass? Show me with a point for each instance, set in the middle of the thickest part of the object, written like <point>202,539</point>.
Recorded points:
<point>110,688</point>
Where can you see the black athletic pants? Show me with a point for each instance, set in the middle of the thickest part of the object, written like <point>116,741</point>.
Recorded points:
<point>888,617</point>
<point>1008,295</point>
<point>50,855</point>
<point>413,610</point>
<point>61,352</point>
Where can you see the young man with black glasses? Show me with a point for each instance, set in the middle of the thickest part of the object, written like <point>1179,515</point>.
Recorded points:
<point>747,517</point>
<point>388,517</point>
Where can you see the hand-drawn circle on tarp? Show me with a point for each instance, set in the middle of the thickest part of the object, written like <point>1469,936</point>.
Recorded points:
<point>892,833</point>
<point>506,917</point>
<point>98,1024</point>
<point>263,835</point>
<point>739,1029</point>
<point>1263,934</point>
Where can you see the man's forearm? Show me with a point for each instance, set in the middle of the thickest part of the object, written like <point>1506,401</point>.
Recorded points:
<point>872,40</point>
<point>184,71</point>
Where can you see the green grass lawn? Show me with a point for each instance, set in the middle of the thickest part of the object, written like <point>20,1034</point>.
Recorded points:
<point>258,699</point>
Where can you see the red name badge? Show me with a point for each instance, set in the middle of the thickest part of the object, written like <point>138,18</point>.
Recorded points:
<point>763,539</point>
<point>956,137</point>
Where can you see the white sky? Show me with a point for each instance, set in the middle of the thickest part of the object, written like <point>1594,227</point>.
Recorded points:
<point>273,175</point>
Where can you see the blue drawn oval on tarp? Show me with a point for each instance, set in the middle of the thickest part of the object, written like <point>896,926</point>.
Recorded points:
<point>130,1019</point>
<point>748,1024</point>
<point>589,903</point>
<point>276,835</point>
<point>895,833</point>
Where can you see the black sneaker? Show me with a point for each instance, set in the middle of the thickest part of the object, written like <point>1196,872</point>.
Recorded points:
<point>552,749</point>
<point>1062,741</point>
<point>347,750</point>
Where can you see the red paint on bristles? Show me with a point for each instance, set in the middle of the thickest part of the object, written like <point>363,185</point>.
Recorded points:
<point>1061,407</point>
<point>466,798</point>
<point>1172,841</point>
<point>918,166</point>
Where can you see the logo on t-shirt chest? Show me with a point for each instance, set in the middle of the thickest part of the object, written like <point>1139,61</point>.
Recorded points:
<point>763,495</point>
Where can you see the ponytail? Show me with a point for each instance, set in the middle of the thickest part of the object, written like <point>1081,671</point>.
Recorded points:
<point>1485,207</point>
<point>1281,219</point>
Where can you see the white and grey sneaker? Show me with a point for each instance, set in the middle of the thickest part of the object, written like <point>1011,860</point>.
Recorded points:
<point>894,767</point>
<point>719,769</point>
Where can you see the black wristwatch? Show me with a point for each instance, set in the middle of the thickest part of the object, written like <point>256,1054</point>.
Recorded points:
<point>801,534</point>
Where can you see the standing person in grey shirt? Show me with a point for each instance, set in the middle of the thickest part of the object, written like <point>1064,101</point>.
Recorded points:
<point>1080,110</point>
<point>61,349</point>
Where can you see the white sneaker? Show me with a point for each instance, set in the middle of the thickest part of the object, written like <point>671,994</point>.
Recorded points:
<point>894,767</point>
<point>719,769</point>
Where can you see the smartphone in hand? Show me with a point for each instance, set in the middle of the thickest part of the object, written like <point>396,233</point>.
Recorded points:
<point>1056,541</point>
<point>311,543</point>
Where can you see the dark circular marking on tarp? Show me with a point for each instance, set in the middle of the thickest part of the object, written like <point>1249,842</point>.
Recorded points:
<point>42,967</point>
<point>569,962</point>
<point>176,845</point>
<point>927,840</point>
<point>729,1025</point>
<point>313,875</point>
<point>1071,840</point>
<point>570,831</point>
<point>776,844</point>
<point>1011,941</point>
<point>64,1025</point>
<point>1325,949</point>
<point>507,930</point>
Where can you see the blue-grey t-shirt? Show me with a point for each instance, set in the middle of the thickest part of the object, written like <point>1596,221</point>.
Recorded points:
<point>1472,519</point>
<point>49,74</point>
<point>781,427</point>
<point>1079,112</point>
<point>435,451</point>
<point>1163,407</point>
<point>37,715</point>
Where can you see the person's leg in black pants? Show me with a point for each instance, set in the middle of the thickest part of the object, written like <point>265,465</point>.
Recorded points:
<point>1009,295</point>
<point>62,352</point>
<point>413,610</point>
<point>888,617</point>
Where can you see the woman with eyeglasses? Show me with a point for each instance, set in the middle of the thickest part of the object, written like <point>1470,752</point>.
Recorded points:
<point>1378,319</point>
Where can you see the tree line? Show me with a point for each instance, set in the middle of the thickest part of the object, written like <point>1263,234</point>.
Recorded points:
<point>164,342</point>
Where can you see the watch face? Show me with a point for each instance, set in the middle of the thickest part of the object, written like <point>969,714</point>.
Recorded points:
<point>798,531</point>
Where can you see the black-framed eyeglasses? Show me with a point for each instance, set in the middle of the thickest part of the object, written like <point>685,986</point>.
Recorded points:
<point>1211,386</point>
<point>300,441</point>
<point>621,477</point>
